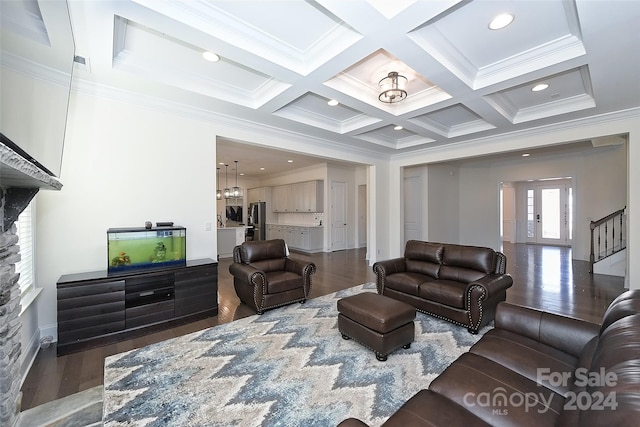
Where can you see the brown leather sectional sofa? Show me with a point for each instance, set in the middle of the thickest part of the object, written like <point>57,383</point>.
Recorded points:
<point>461,284</point>
<point>538,369</point>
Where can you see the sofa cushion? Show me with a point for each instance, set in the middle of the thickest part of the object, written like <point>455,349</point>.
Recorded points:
<point>460,274</point>
<point>447,292</point>
<point>262,250</point>
<point>405,282</point>
<point>424,251</point>
<point>536,361</point>
<point>497,395</point>
<point>269,265</point>
<point>428,409</point>
<point>469,257</point>
<point>422,267</point>
<point>282,281</point>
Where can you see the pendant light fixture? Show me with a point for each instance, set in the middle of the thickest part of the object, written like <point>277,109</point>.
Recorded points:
<point>392,88</point>
<point>236,191</point>
<point>226,192</point>
<point>218,191</point>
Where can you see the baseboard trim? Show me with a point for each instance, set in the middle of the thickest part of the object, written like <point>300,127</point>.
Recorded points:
<point>29,356</point>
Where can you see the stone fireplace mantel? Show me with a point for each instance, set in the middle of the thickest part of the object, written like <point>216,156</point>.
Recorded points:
<point>20,180</point>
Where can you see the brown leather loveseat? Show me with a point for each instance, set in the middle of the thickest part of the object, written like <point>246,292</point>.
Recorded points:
<point>461,284</point>
<point>538,369</point>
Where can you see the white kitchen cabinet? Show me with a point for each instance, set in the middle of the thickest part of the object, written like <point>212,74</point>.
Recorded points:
<point>259,194</point>
<point>309,196</point>
<point>302,238</point>
<point>281,196</point>
<point>298,197</point>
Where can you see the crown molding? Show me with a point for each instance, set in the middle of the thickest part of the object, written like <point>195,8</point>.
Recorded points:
<point>263,132</point>
<point>622,115</point>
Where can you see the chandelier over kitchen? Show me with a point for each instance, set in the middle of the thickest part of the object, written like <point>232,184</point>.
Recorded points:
<point>236,191</point>
<point>226,192</point>
<point>218,191</point>
<point>393,88</point>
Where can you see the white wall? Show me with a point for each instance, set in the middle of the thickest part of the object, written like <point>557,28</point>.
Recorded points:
<point>122,165</point>
<point>444,203</point>
<point>599,177</point>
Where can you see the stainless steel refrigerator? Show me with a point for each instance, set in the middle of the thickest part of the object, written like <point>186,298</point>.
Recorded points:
<point>257,219</point>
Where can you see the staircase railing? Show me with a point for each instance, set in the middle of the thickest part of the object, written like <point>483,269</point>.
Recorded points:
<point>608,236</point>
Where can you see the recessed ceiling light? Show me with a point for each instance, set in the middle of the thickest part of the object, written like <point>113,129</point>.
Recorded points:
<point>501,21</point>
<point>398,127</point>
<point>539,87</point>
<point>290,161</point>
<point>210,56</point>
<point>332,102</point>
<point>526,155</point>
<point>261,169</point>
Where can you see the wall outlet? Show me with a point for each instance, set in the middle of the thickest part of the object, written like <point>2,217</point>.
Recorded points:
<point>207,226</point>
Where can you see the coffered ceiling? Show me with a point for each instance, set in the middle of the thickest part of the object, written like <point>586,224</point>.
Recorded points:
<point>282,61</point>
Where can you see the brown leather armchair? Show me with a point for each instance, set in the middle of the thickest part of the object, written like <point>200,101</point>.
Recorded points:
<point>265,277</point>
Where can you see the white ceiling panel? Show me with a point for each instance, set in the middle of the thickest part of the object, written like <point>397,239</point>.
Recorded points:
<point>313,110</point>
<point>567,92</point>
<point>152,54</point>
<point>543,33</point>
<point>456,120</point>
<point>281,60</point>
<point>299,35</point>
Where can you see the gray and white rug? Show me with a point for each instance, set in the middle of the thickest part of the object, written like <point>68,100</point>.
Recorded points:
<point>287,367</point>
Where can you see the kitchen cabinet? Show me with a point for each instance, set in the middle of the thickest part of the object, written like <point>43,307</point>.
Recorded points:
<point>302,238</point>
<point>282,196</point>
<point>299,197</point>
<point>96,308</point>
<point>310,196</point>
<point>259,194</point>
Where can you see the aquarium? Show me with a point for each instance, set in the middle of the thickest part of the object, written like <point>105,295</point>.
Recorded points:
<point>132,249</point>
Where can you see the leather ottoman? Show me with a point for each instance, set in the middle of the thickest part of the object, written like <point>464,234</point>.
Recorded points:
<point>380,323</point>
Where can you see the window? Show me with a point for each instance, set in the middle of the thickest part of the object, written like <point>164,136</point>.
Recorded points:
<point>25,233</point>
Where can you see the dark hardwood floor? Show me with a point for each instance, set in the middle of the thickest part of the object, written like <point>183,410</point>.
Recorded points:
<point>544,277</point>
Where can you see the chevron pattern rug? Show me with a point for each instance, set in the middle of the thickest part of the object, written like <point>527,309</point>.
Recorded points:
<point>287,367</point>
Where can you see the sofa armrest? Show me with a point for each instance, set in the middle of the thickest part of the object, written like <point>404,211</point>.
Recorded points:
<point>492,284</point>
<point>561,332</point>
<point>382,269</point>
<point>304,269</point>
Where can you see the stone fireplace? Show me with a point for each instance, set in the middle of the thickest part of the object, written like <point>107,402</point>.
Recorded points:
<point>20,180</point>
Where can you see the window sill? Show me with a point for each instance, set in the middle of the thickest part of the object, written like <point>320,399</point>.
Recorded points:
<point>27,299</point>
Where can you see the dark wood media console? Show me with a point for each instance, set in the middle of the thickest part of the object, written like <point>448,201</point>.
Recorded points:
<point>96,308</point>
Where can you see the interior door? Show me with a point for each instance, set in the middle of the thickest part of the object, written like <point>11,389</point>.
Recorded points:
<point>412,211</point>
<point>338,215</point>
<point>549,214</point>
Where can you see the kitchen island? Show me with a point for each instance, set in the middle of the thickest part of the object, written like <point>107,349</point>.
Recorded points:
<point>228,238</point>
